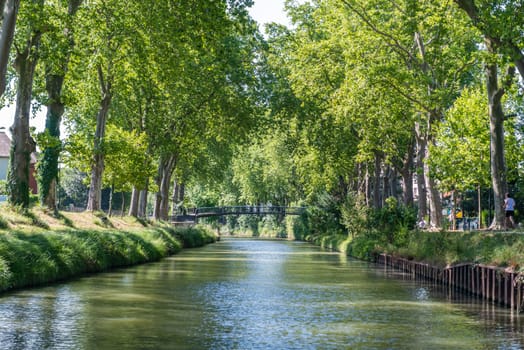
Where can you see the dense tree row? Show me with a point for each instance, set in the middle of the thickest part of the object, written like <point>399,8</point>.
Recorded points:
<point>171,85</point>
<point>376,96</point>
<point>403,76</point>
<point>359,99</point>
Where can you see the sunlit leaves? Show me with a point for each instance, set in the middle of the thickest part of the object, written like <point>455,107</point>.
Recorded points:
<point>460,157</point>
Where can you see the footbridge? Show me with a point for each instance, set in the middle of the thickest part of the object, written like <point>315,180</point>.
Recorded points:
<point>193,214</point>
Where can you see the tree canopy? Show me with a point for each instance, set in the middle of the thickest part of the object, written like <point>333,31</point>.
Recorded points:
<point>373,98</point>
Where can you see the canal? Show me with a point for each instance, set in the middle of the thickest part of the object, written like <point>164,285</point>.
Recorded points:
<point>253,294</point>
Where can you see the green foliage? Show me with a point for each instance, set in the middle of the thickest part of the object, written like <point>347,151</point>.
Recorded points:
<point>264,172</point>
<point>296,227</point>
<point>270,226</point>
<point>193,236</point>
<point>393,221</point>
<point>4,224</point>
<point>354,214</point>
<point>131,146</point>
<point>248,224</point>
<point>324,216</point>
<point>445,248</point>
<point>460,157</point>
<point>72,188</point>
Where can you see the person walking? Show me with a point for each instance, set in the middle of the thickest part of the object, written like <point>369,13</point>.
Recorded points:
<point>509,207</point>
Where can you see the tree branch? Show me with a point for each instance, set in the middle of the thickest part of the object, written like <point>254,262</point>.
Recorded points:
<point>393,42</point>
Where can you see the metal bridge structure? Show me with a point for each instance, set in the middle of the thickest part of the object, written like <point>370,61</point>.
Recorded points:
<point>193,214</point>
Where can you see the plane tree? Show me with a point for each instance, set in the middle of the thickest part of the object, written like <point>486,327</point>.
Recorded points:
<point>30,28</point>
<point>214,100</point>
<point>56,50</point>
<point>500,23</point>
<point>9,10</point>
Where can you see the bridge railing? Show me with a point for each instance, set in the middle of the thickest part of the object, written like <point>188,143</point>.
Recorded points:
<point>244,209</point>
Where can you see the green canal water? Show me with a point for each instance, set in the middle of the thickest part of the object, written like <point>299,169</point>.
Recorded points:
<point>253,294</point>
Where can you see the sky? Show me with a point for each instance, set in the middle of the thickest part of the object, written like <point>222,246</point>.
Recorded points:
<point>263,11</point>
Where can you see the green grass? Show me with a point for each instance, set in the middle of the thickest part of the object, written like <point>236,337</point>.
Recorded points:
<point>448,248</point>
<point>502,249</point>
<point>29,258</point>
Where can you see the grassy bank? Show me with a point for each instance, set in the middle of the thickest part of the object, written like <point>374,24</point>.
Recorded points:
<point>38,248</point>
<point>364,233</point>
<point>501,249</point>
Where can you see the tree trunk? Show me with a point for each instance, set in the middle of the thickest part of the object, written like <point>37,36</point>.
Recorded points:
<point>434,199</point>
<point>10,12</point>
<point>494,44</point>
<point>165,171</point>
<point>22,145</point>
<point>454,210</point>
<point>175,198</point>
<point>479,199</point>
<point>48,165</point>
<point>360,183</point>
<point>407,176</point>
<point>433,196</point>
<point>97,167</point>
<point>392,183</point>
<point>111,192</point>
<point>376,183</point>
<point>368,185</point>
<point>133,205</point>
<point>182,193</point>
<point>421,183</point>
<point>123,204</point>
<point>142,201</point>
<point>498,163</point>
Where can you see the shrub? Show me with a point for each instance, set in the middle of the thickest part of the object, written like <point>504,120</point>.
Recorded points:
<point>3,223</point>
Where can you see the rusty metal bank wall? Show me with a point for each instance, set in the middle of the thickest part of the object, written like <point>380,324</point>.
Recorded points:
<point>491,283</point>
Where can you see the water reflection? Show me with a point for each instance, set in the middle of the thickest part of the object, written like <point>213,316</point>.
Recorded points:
<point>41,320</point>
<point>244,294</point>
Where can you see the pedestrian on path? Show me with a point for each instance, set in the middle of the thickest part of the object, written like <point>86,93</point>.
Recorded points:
<point>509,207</point>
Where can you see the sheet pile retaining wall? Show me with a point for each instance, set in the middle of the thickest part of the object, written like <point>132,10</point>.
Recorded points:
<point>489,282</point>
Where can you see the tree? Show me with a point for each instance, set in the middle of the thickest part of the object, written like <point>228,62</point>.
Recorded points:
<point>460,157</point>
<point>372,75</point>
<point>499,24</point>
<point>9,10</point>
<point>58,47</point>
<point>127,163</point>
<point>104,40</point>
<point>212,101</point>
<point>22,145</point>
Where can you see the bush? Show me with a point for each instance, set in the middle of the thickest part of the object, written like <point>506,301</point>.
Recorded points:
<point>296,227</point>
<point>394,221</point>
<point>3,223</point>
<point>325,217</point>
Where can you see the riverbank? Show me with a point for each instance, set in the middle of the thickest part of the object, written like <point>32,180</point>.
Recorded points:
<point>486,264</point>
<point>443,248</point>
<point>38,248</point>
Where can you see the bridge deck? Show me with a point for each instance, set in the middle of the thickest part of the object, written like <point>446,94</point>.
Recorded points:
<point>194,213</point>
